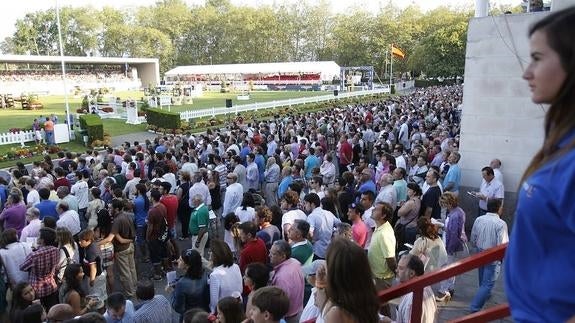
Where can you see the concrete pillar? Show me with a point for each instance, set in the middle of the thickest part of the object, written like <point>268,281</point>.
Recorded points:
<point>481,8</point>
<point>557,5</point>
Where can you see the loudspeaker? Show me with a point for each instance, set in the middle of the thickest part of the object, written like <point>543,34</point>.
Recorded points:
<point>228,103</point>
<point>335,92</point>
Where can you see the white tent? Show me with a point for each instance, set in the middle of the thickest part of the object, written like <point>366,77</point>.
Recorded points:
<point>327,69</point>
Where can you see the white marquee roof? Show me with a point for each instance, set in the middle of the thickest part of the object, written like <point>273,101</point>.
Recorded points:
<point>74,59</point>
<point>327,69</point>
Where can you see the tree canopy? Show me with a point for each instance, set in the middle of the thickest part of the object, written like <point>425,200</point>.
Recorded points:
<point>219,32</point>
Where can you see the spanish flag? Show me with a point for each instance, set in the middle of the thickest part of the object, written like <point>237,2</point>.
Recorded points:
<point>397,52</point>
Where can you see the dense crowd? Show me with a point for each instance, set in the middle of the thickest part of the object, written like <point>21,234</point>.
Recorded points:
<point>300,218</point>
<point>56,75</point>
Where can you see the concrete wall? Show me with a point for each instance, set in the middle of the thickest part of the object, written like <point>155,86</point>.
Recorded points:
<point>499,120</point>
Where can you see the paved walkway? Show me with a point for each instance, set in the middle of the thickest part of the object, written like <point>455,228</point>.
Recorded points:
<point>136,136</point>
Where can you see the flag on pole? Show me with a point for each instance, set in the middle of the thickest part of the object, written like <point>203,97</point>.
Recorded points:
<point>397,52</point>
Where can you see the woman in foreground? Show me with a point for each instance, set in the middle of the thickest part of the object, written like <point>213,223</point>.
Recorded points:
<point>539,262</point>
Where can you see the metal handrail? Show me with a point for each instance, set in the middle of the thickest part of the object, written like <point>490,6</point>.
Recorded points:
<point>417,285</point>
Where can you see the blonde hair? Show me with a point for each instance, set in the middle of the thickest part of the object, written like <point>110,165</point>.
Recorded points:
<point>449,199</point>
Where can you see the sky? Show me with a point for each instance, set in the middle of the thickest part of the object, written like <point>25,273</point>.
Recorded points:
<point>20,8</point>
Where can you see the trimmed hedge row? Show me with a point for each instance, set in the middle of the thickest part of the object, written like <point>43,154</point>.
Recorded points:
<point>163,119</point>
<point>92,123</point>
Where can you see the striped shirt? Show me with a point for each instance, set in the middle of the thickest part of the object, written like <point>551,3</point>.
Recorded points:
<point>489,231</point>
<point>156,310</point>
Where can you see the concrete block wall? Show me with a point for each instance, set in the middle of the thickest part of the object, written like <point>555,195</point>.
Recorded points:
<point>499,120</point>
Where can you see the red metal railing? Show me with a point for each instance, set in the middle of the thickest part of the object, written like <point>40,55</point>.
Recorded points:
<point>417,285</point>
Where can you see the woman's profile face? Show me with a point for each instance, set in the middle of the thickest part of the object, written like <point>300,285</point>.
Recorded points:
<point>545,74</point>
<point>28,293</point>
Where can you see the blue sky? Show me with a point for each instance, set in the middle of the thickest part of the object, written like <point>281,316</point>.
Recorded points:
<point>19,8</point>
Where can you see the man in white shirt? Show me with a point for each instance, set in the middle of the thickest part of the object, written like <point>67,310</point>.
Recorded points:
<point>33,196</point>
<point>490,188</point>
<point>240,171</point>
<point>388,193</point>
<point>327,170</point>
<point>32,230</point>
<point>188,166</point>
<point>403,136</point>
<point>234,194</point>
<point>130,189</point>
<point>80,191</point>
<point>201,188</point>
<point>69,219</point>
<point>410,267</point>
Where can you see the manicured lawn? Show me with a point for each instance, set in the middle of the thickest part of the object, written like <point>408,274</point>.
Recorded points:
<point>18,118</point>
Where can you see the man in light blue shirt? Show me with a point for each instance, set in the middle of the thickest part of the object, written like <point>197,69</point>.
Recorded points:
<point>311,162</point>
<point>321,224</point>
<point>453,176</point>
<point>119,309</point>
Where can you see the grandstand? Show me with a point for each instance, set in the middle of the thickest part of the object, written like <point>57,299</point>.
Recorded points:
<point>260,76</point>
<point>42,74</point>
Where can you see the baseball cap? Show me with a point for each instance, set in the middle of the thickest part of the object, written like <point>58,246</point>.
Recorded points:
<point>358,207</point>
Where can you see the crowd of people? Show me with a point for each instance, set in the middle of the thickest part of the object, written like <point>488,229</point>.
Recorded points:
<point>301,218</point>
<point>75,75</point>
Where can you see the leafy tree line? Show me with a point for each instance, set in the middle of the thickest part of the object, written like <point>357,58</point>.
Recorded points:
<point>219,32</point>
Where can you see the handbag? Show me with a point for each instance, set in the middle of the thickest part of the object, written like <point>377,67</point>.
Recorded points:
<point>400,231</point>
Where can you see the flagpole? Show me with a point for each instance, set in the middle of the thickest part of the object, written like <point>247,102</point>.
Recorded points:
<point>70,134</point>
<point>390,66</point>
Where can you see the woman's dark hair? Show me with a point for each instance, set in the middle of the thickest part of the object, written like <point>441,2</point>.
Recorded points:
<point>70,279</point>
<point>7,237</point>
<point>349,281</point>
<point>145,290</point>
<point>33,314</point>
<point>415,188</point>
<point>193,260</point>
<point>18,302</point>
<point>196,315</point>
<point>259,273</point>
<point>142,191</point>
<point>560,118</point>
<point>96,192</point>
<point>276,216</point>
<point>327,204</point>
<point>221,254</point>
<point>248,201</point>
<point>229,220</point>
<point>48,236</point>
<point>427,229</point>
<point>231,309</point>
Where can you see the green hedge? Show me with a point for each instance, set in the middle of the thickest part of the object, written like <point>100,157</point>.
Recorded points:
<point>163,119</point>
<point>92,123</point>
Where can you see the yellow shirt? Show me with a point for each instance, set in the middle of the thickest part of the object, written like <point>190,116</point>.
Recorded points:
<point>382,246</point>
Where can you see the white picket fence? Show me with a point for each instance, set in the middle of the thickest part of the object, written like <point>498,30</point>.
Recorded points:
<point>187,115</point>
<point>16,138</point>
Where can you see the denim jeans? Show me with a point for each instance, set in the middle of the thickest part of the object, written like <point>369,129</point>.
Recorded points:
<point>487,276</point>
